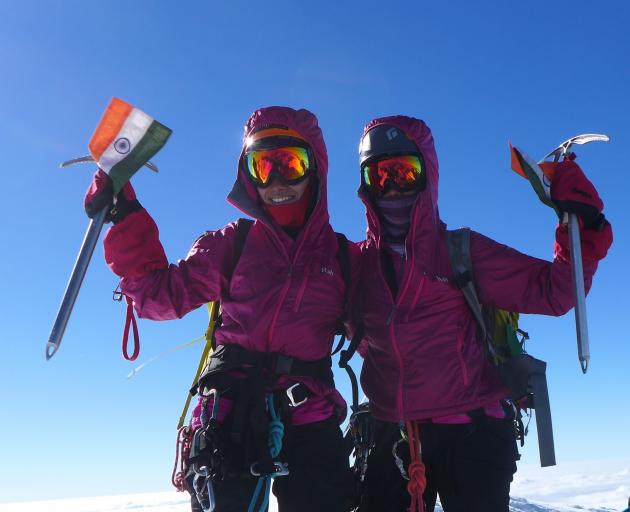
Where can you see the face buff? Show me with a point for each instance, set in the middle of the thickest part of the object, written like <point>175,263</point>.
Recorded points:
<point>395,215</point>
<point>292,215</point>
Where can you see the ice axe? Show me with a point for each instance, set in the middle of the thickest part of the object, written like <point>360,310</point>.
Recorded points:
<point>124,141</point>
<point>541,183</point>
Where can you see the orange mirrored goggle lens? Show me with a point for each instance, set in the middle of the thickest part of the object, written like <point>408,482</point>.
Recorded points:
<point>400,171</point>
<point>292,163</point>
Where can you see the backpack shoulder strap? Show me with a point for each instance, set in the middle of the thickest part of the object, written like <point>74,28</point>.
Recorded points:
<point>343,258</point>
<point>458,244</point>
<point>242,228</point>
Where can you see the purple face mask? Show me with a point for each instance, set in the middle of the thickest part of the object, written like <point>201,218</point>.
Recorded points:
<point>395,215</point>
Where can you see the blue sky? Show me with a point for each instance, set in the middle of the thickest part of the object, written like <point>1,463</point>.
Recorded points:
<point>480,74</point>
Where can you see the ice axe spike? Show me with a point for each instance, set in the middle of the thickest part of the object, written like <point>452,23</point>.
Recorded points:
<point>74,283</point>
<point>577,272</point>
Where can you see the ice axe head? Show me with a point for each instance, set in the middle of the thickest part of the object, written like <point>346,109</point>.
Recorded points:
<point>88,158</point>
<point>563,148</point>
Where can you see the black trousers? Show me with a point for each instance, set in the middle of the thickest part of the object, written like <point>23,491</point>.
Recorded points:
<point>469,466</point>
<point>319,476</point>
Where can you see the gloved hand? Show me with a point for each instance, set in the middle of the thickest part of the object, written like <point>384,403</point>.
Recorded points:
<point>572,192</point>
<point>100,195</point>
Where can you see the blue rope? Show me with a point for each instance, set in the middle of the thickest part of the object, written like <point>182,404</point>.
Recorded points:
<point>274,441</point>
<point>276,429</point>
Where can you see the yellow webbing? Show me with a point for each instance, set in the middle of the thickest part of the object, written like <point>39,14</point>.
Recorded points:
<point>213,313</point>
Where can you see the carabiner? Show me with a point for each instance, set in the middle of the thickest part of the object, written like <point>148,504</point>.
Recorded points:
<point>208,487</point>
<point>205,421</point>
<point>398,460</point>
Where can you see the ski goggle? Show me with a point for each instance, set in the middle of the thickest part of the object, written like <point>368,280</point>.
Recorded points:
<point>291,163</point>
<point>403,172</point>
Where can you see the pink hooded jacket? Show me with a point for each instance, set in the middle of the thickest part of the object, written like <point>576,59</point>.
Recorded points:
<point>422,355</point>
<point>285,295</point>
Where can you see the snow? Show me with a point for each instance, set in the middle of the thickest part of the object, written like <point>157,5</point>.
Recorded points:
<point>590,486</point>
<point>593,486</point>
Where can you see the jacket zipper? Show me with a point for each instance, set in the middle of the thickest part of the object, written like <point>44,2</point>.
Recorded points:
<point>298,299</point>
<point>285,288</point>
<point>390,319</point>
<point>394,344</point>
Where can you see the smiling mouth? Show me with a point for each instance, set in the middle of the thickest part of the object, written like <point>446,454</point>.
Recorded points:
<point>282,199</point>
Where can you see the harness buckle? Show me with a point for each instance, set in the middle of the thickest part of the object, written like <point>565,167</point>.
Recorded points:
<point>280,469</point>
<point>292,402</point>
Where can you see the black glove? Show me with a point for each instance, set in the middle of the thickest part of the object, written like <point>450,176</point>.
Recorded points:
<point>100,195</point>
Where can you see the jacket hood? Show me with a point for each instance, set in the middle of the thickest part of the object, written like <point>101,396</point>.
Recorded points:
<point>425,210</point>
<point>244,194</point>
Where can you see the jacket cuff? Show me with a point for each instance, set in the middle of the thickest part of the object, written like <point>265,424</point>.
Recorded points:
<point>594,242</point>
<point>133,248</point>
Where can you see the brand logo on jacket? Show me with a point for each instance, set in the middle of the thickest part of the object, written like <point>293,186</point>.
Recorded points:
<point>329,271</point>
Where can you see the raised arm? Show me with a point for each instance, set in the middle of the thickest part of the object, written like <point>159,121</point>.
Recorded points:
<point>514,281</point>
<point>134,252</point>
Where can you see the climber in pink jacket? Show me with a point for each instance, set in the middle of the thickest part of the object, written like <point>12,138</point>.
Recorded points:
<point>281,304</point>
<point>424,364</point>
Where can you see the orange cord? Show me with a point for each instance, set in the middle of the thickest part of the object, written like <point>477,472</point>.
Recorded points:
<point>417,475</point>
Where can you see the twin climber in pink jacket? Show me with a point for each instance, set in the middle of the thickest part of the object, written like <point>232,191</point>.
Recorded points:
<point>423,358</point>
<point>426,372</point>
<point>284,299</point>
<point>285,296</point>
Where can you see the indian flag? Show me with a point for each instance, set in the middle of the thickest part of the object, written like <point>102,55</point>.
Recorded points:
<point>124,140</point>
<point>538,175</point>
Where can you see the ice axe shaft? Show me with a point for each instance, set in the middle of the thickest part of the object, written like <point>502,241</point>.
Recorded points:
<point>577,271</point>
<point>581,324</point>
<point>74,283</point>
